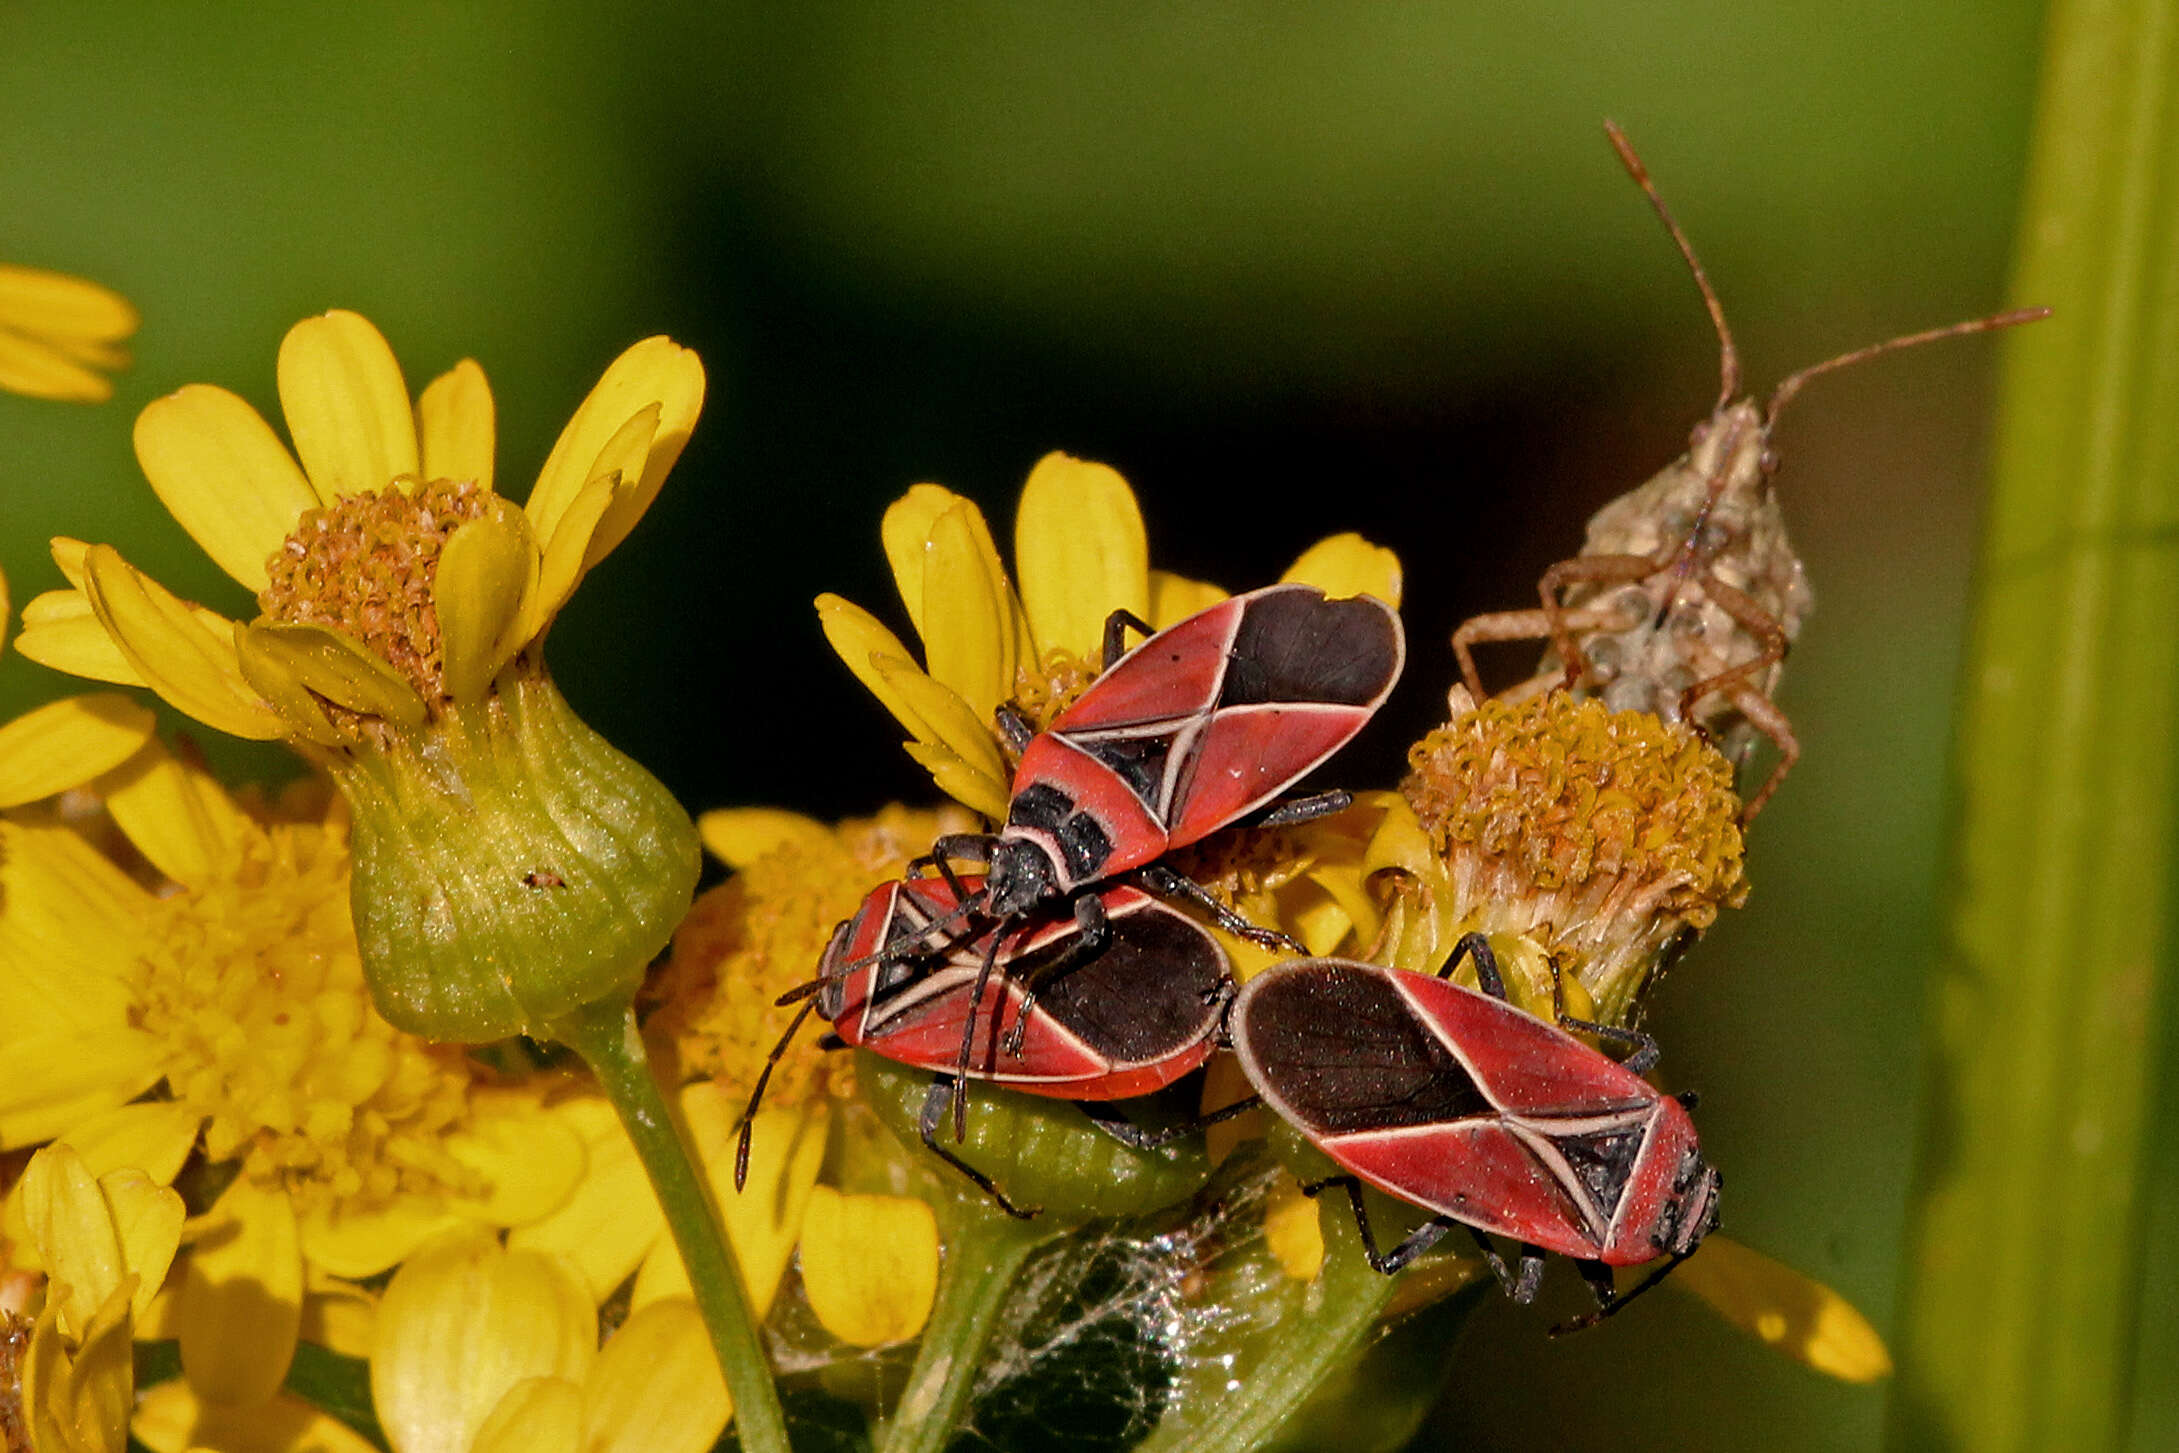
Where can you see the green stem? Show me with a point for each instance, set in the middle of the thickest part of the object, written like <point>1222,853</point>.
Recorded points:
<point>605,1036</point>
<point>985,1250</point>
<point>2023,1292</point>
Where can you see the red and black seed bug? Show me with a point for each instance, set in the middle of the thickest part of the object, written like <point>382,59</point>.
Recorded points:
<point>1687,593</point>
<point>1457,1102</point>
<point>1118,1018</point>
<point>1201,725</point>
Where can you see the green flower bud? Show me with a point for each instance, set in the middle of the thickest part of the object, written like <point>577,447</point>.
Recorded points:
<point>511,867</point>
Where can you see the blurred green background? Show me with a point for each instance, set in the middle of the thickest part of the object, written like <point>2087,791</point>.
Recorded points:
<point>1291,268</point>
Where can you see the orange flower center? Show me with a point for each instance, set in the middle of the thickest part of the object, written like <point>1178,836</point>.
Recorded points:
<point>364,566</point>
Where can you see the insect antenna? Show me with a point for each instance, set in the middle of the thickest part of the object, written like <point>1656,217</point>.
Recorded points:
<point>1791,384</point>
<point>756,1096</point>
<point>890,951</point>
<point>1728,355</point>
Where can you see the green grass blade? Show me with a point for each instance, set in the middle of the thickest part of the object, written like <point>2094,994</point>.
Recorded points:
<point>2022,1289</point>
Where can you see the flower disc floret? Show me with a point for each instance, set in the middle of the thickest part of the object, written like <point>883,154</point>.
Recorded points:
<point>365,565</point>
<point>1605,835</point>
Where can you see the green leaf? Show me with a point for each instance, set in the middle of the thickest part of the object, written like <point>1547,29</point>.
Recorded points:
<point>2023,1302</point>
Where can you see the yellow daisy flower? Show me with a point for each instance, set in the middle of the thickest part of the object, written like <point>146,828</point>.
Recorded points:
<point>869,1262</point>
<point>57,332</point>
<point>402,606</point>
<point>156,937</point>
<point>1082,553</point>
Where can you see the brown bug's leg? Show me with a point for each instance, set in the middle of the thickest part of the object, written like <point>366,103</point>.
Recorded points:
<point>1597,570</point>
<point>756,1096</point>
<point>1751,618</point>
<point>1517,625</point>
<point>1093,932</point>
<point>1477,947</point>
<point>1117,625</point>
<point>1764,714</point>
<point>1106,1116</point>
<point>934,1106</point>
<point>1166,882</point>
<point>1014,728</point>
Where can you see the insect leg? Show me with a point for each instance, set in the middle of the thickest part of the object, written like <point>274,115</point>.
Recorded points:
<point>1608,1301</point>
<point>968,1034</point>
<point>1093,930</point>
<point>756,1096</point>
<point>1522,625</point>
<point>1597,570</point>
<point>1477,947</point>
<point>1642,1060</point>
<point>1164,881</point>
<point>1763,714</point>
<point>1117,625</point>
<point>1417,1241</point>
<point>1014,727</point>
<point>934,1107</point>
<point>976,847</point>
<point>1106,1116</point>
<point>1305,809</point>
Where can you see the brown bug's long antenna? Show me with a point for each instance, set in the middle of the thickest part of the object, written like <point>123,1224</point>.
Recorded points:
<point>1791,385</point>
<point>1728,356</point>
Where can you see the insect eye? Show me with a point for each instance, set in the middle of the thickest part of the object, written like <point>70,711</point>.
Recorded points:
<point>1769,462</point>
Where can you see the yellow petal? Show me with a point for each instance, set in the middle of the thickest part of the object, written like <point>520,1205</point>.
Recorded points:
<point>869,1265</point>
<point>1348,565</point>
<point>968,620</point>
<point>948,720</point>
<point>71,931</point>
<point>41,370</point>
<point>337,667</point>
<point>1798,1315</point>
<point>656,371</point>
<point>5,607</point>
<point>786,1147</point>
<point>487,568</point>
<point>528,1159</point>
<point>612,1219</point>
<point>147,1217</point>
<point>270,675</point>
<point>738,836</point>
<point>61,630</point>
<point>59,305</point>
<point>170,647</point>
<point>173,1419</point>
<point>346,405</point>
<point>537,1415</point>
<point>56,1080</point>
<point>455,426</point>
<point>906,533</point>
<point>224,476</point>
<point>73,1229</point>
<point>1081,552</point>
<point>242,1296</point>
<point>153,1136</point>
<point>66,743</point>
<point>363,1243</point>
<point>974,787</point>
<point>656,1387</point>
<point>177,815</point>
<point>623,455</point>
<point>1292,1230</point>
<point>1173,598</point>
<point>860,639</point>
<point>338,1315</point>
<point>79,1403</point>
<point>561,568</point>
<point>460,1324</point>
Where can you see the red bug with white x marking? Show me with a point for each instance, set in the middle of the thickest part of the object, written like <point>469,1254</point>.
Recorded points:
<point>1201,725</point>
<point>1119,1018</point>
<point>1457,1102</point>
